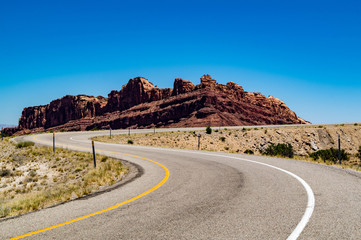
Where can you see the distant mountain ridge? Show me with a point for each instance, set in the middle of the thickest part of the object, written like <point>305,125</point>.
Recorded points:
<point>139,104</point>
<point>6,125</point>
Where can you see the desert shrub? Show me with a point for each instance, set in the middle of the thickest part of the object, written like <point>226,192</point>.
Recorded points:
<point>356,124</point>
<point>248,151</point>
<point>20,158</point>
<point>32,173</point>
<point>104,159</point>
<point>223,139</point>
<point>4,172</point>
<point>4,211</point>
<point>209,130</point>
<point>24,144</point>
<point>358,154</point>
<point>4,134</point>
<point>130,141</point>
<point>330,154</point>
<point>216,130</point>
<point>281,149</point>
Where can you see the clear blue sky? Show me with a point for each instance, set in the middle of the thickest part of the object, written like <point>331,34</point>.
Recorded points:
<point>307,53</point>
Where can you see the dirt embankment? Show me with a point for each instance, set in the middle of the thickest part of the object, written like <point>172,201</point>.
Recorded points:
<point>304,139</point>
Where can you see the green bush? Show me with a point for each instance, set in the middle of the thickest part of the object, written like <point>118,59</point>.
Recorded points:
<point>32,173</point>
<point>104,159</point>
<point>359,153</point>
<point>329,154</point>
<point>223,139</point>
<point>4,172</point>
<point>248,151</point>
<point>209,130</point>
<point>130,141</point>
<point>24,144</point>
<point>281,149</point>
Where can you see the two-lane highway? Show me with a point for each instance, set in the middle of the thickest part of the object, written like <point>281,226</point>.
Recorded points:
<point>202,195</point>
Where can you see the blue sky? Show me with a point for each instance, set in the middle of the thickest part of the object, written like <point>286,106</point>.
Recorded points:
<point>307,53</point>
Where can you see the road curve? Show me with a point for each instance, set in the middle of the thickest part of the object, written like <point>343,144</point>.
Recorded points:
<point>207,196</point>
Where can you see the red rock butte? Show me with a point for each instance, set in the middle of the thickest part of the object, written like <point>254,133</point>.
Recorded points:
<point>140,104</point>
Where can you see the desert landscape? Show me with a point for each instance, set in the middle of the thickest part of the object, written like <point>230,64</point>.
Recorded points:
<point>304,140</point>
<point>33,177</point>
<point>180,120</point>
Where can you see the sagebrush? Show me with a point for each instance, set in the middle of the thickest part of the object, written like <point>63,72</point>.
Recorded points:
<point>281,149</point>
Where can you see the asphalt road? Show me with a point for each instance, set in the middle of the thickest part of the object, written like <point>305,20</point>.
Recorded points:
<point>206,195</point>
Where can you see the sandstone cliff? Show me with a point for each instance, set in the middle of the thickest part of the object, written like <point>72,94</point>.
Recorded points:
<point>61,111</point>
<point>140,104</point>
<point>138,90</point>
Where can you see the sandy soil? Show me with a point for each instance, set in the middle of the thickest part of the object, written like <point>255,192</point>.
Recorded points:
<point>305,139</point>
<point>33,173</point>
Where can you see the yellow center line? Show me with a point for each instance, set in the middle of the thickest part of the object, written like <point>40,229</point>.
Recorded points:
<point>107,209</point>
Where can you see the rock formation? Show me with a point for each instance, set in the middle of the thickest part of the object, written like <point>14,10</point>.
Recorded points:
<point>61,111</point>
<point>182,86</point>
<point>138,90</point>
<point>140,104</point>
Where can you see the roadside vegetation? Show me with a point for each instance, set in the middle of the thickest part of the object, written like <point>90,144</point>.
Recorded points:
<point>309,143</point>
<point>330,154</point>
<point>359,153</point>
<point>281,149</point>
<point>34,177</point>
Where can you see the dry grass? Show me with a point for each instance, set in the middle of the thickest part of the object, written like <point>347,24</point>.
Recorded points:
<point>33,177</point>
<point>305,140</point>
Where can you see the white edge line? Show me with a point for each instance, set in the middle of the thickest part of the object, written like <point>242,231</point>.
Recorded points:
<point>310,195</point>
<point>310,202</point>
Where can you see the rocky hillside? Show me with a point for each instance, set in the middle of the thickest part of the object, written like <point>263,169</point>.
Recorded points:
<point>141,104</point>
<point>304,139</point>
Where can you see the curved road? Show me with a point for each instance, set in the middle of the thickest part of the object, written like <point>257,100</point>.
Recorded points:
<point>203,195</point>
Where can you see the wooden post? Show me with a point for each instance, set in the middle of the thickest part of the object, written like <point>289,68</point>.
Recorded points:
<point>339,149</point>
<point>199,141</point>
<point>54,142</point>
<point>95,162</point>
